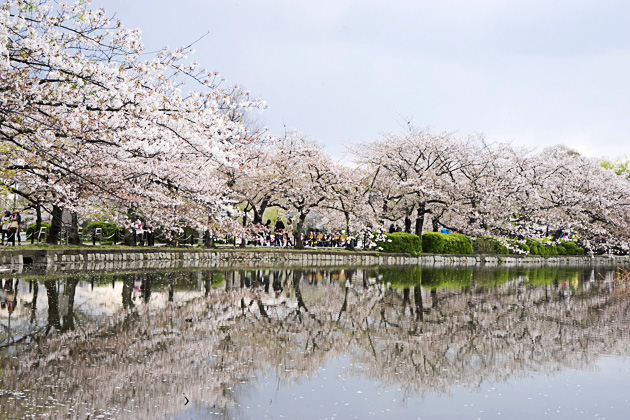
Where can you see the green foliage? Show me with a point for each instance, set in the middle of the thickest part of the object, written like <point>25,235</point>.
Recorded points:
<point>31,229</point>
<point>108,229</point>
<point>542,247</point>
<point>516,244</point>
<point>433,242</point>
<point>272,213</point>
<point>402,278</point>
<point>484,245</point>
<point>492,245</point>
<point>533,246</point>
<point>442,243</point>
<point>187,231</point>
<point>550,250</point>
<point>400,242</point>
<point>561,249</point>
<point>569,248</point>
<point>620,166</point>
<point>500,249</point>
<point>457,243</point>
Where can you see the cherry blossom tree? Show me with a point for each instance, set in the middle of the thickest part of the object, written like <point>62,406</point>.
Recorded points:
<point>300,176</point>
<point>412,172</point>
<point>84,118</point>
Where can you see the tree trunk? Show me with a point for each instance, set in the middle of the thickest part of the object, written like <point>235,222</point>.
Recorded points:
<point>407,224</point>
<point>55,225</point>
<point>420,219</point>
<point>130,237</point>
<point>74,238</point>
<point>349,244</point>
<point>258,214</point>
<point>297,236</point>
<point>436,224</point>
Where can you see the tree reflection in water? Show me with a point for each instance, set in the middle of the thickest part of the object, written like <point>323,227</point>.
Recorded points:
<point>208,336</point>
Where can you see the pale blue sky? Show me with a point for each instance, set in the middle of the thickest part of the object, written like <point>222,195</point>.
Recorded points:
<point>533,72</point>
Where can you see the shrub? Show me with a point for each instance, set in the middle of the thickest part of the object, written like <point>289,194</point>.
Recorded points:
<point>534,246</point>
<point>433,242</point>
<point>541,247</point>
<point>489,245</point>
<point>442,243</point>
<point>484,245</point>
<point>561,249</point>
<point>31,230</point>
<point>550,250</point>
<point>500,249</point>
<point>108,229</point>
<point>402,242</point>
<point>456,243</point>
<point>569,248</point>
<point>514,244</point>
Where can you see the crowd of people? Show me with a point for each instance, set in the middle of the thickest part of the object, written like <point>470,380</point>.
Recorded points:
<point>283,235</point>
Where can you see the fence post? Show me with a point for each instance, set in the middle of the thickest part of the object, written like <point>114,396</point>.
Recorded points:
<point>116,235</point>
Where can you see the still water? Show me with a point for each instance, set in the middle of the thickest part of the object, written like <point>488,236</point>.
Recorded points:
<point>407,343</point>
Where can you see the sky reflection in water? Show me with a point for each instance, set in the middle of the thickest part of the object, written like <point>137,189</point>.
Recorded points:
<point>315,344</point>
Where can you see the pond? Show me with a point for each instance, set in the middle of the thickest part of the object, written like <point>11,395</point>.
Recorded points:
<point>365,343</point>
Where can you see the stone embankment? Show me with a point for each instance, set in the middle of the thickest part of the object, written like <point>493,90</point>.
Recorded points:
<point>85,259</point>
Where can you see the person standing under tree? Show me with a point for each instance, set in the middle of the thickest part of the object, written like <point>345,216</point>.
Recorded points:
<point>14,228</point>
<point>290,233</point>
<point>4,225</point>
<point>279,229</point>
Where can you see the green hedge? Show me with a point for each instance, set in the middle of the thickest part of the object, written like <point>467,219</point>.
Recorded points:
<point>108,229</point>
<point>433,242</point>
<point>569,248</point>
<point>400,242</point>
<point>485,245</point>
<point>442,243</point>
<point>522,246</point>
<point>456,243</point>
<point>541,247</point>
<point>31,229</point>
<point>491,245</point>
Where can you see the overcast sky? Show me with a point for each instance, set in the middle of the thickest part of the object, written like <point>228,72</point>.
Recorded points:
<point>530,72</point>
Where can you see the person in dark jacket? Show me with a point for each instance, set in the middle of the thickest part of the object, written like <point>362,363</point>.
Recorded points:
<point>279,230</point>
<point>14,228</point>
